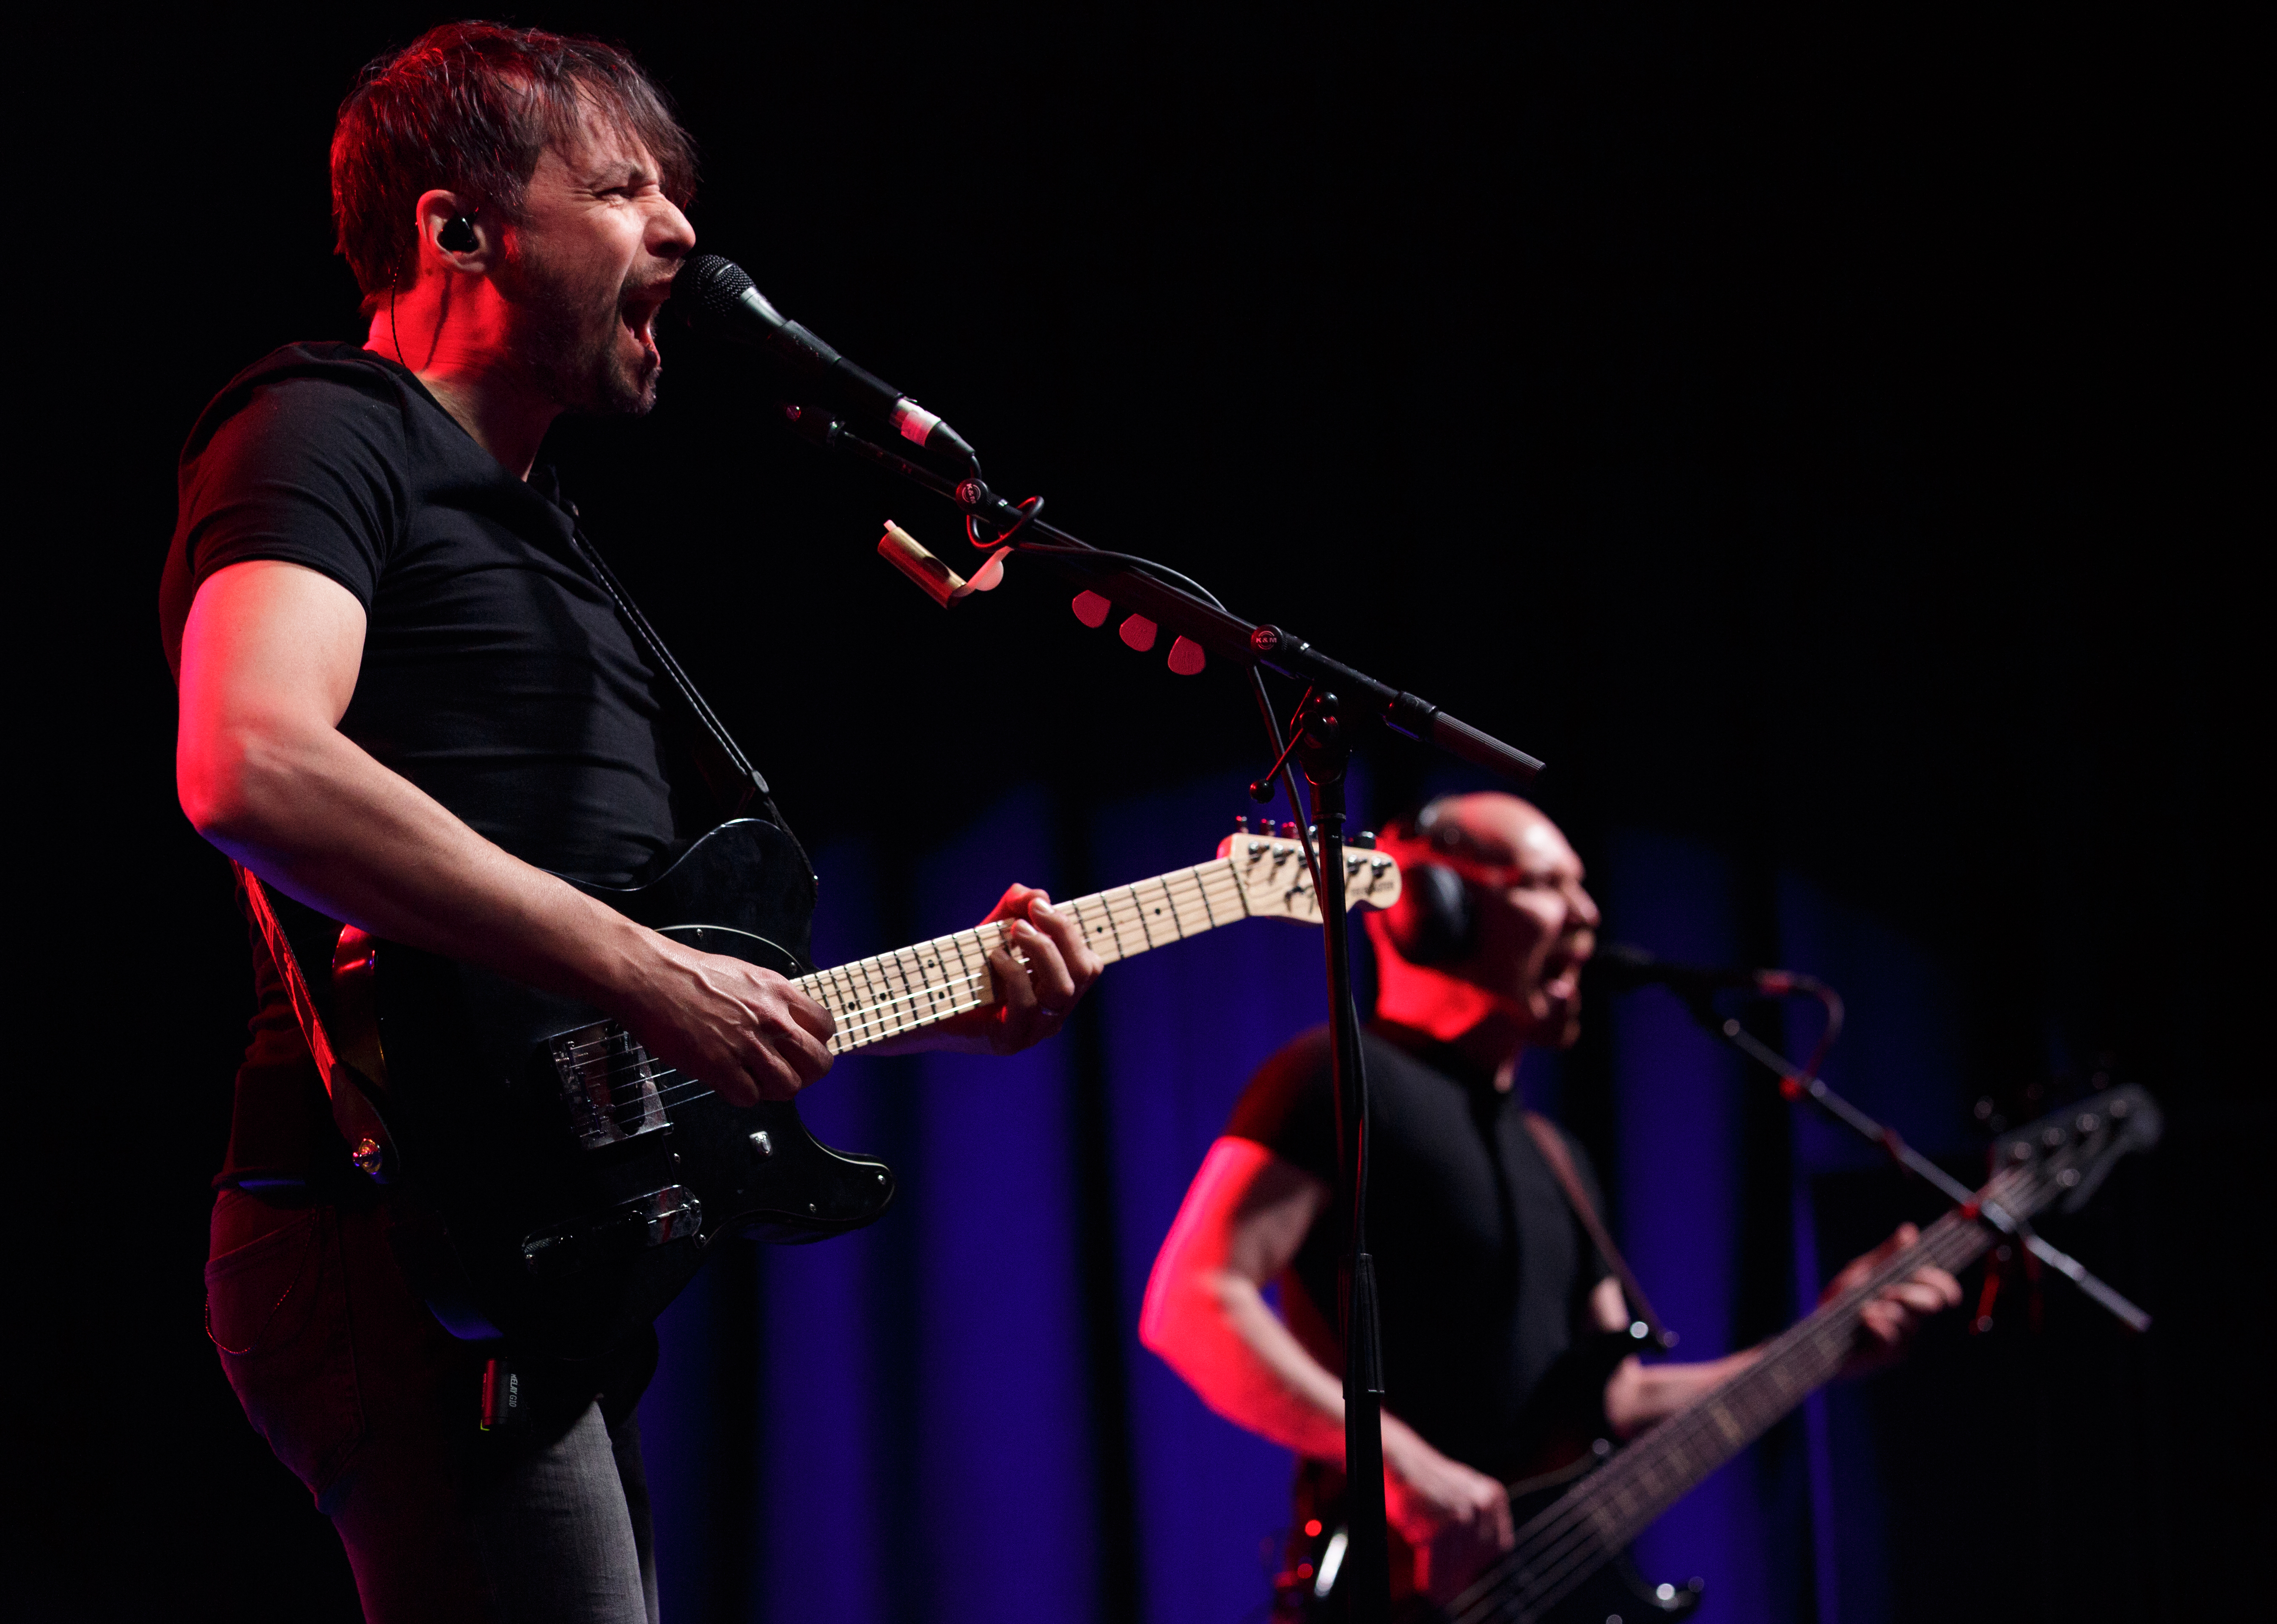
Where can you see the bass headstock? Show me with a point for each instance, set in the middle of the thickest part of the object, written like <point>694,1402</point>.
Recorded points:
<point>2074,1149</point>
<point>1269,867</point>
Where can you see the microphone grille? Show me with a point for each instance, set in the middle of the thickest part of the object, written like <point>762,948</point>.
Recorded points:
<point>713,287</point>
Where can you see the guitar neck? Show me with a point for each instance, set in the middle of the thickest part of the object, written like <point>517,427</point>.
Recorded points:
<point>917,987</point>
<point>1613,1504</point>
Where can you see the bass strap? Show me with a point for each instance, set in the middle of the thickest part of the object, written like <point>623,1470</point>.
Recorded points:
<point>1546,1139</point>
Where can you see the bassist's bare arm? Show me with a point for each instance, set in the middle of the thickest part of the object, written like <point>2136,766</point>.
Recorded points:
<point>1245,1216</point>
<point>1639,1394</point>
<point>269,656</point>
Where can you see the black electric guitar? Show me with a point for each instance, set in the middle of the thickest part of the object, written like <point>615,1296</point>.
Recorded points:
<point>560,1184</point>
<point>1576,1520</point>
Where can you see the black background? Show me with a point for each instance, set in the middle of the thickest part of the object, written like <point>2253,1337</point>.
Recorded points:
<point>1811,434</point>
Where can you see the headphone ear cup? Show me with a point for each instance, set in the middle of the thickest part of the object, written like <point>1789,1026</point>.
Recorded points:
<point>1432,922</point>
<point>457,235</point>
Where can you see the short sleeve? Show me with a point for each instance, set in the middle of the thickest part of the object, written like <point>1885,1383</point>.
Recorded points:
<point>1290,1106</point>
<point>299,469</point>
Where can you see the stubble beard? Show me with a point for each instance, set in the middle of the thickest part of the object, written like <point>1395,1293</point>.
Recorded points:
<point>568,342</point>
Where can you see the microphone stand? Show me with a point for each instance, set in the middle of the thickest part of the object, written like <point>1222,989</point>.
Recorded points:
<point>1798,1082</point>
<point>1322,748</point>
<point>1205,623</point>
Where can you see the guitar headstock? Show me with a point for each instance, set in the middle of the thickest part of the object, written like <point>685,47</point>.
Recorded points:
<point>2074,1149</point>
<point>1275,879</point>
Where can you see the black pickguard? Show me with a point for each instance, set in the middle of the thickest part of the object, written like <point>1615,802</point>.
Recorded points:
<point>486,1146</point>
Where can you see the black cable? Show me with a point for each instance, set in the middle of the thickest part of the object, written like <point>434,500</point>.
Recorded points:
<point>1187,582</point>
<point>1027,510</point>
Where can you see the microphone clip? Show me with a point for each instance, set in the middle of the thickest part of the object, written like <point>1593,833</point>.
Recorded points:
<point>943,585</point>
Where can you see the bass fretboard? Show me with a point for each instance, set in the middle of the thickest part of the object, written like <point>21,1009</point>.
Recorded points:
<point>1575,1535</point>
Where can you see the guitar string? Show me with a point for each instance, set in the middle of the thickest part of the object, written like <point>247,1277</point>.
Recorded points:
<point>830,982</point>
<point>1822,1323</point>
<point>1577,1536</point>
<point>866,1017</point>
<point>1573,1543</point>
<point>883,1018</point>
<point>676,1088</point>
<point>1564,1551</point>
<point>888,1016</point>
<point>1222,883</point>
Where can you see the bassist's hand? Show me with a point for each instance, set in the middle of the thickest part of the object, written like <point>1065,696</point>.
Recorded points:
<point>1892,1320</point>
<point>748,1032</point>
<point>1456,1518</point>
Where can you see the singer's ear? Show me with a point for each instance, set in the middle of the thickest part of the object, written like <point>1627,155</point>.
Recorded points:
<point>454,233</point>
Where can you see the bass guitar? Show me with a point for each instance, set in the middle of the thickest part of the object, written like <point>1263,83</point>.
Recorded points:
<point>1570,1564</point>
<point>560,1185</point>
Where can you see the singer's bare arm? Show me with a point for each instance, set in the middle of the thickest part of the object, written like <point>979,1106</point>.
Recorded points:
<point>270,658</point>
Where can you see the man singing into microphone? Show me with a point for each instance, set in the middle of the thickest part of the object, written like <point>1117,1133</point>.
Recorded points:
<point>1487,1274</point>
<point>407,701</point>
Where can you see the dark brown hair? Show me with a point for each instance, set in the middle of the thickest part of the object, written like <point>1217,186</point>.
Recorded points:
<point>468,107</point>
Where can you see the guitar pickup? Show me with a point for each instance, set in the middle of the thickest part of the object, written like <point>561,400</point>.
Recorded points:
<point>672,1213</point>
<point>609,1084</point>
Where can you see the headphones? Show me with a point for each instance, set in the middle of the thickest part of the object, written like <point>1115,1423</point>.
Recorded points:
<point>1434,920</point>
<point>458,234</point>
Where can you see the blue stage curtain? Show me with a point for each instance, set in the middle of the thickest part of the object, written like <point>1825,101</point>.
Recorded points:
<point>1003,1447</point>
<point>1901,1064</point>
<point>1677,1120</point>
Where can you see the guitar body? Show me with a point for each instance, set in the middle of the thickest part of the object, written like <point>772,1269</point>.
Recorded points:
<point>560,1187</point>
<point>557,1186</point>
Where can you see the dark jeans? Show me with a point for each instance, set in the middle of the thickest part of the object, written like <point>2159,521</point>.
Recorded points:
<point>374,1405</point>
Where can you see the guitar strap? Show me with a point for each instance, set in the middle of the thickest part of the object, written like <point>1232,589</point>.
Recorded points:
<point>736,784</point>
<point>1547,1140</point>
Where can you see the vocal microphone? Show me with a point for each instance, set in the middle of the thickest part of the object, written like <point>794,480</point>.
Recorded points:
<point>1623,968</point>
<point>721,302</point>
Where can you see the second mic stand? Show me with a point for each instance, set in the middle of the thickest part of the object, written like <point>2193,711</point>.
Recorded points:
<point>1801,1083</point>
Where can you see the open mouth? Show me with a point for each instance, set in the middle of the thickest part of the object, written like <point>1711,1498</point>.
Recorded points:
<point>637,311</point>
<point>1561,970</point>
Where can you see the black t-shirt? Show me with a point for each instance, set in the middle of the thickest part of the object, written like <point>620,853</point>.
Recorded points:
<point>1483,1271</point>
<point>497,674</point>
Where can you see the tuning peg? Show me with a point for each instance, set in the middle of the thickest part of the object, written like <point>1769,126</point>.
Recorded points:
<point>1365,839</point>
<point>1288,832</point>
<point>1240,825</point>
<point>1090,609</point>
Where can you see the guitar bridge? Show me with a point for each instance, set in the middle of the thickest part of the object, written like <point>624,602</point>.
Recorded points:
<point>608,1084</point>
<point>672,1213</point>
